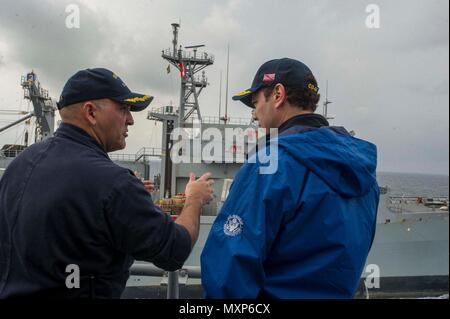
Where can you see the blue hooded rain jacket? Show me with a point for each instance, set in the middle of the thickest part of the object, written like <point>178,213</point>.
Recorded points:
<point>304,231</point>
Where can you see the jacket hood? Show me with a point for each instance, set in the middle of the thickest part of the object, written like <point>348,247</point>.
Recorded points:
<point>347,164</point>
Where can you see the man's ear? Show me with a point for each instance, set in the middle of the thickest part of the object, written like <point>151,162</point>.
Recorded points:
<point>279,93</point>
<point>90,112</point>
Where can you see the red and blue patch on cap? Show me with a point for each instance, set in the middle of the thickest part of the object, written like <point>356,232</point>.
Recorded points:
<point>268,77</point>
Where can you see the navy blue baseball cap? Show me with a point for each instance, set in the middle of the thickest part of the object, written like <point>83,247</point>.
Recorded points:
<point>289,72</point>
<point>99,83</point>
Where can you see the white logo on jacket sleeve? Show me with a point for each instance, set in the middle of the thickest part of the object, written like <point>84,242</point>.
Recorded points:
<point>233,226</point>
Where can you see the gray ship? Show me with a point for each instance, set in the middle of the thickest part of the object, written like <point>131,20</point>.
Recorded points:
<point>410,253</point>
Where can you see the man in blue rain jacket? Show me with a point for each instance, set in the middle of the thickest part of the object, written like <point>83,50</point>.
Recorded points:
<point>305,230</point>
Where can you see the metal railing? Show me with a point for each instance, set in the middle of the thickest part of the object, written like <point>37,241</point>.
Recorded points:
<point>147,151</point>
<point>10,153</point>
<point>166,110</point>
<point>122,157</point>
<point>220,120</point>
<point>173,277</point>
<point>400,204</point>
<point>172,110</point>
<point>189,55</point>
<point>143,153</point>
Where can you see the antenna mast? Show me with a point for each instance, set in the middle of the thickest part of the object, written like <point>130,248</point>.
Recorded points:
<point>325,105</point>
<point>225,117</point>
<point>220,93</point>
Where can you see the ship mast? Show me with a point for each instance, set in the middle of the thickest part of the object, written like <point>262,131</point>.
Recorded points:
<point>43,108</point>
<point>189,63</point>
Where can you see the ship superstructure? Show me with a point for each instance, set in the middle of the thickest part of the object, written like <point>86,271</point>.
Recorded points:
<point>411,246</point>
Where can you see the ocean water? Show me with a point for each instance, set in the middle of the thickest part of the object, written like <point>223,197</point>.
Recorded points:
<point>410,184</point>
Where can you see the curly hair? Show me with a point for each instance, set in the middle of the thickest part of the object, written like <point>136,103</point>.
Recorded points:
<point>304,98</point>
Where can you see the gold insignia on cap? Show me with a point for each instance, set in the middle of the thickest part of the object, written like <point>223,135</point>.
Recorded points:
<point>115,76</point>
<point>312,87</point>
<point>243,93</point>
<point>138,99</point>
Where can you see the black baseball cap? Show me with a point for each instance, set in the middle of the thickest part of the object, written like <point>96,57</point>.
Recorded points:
<point>100,83</point>
<point>289,72</point>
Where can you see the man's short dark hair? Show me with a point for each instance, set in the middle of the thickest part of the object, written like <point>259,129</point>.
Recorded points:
<point>305,99</point>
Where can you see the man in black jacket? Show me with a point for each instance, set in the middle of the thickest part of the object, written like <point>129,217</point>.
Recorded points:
<point>65,205</point>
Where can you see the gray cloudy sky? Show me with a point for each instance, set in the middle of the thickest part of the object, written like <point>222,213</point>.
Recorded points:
<point>390,85</point>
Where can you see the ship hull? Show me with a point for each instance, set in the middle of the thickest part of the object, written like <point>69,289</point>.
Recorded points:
<point>411,257</point>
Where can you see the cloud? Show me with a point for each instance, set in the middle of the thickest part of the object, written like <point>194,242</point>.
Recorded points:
<point>38,37</point>
<point>419,25</point>
<point>390,85</point>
